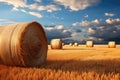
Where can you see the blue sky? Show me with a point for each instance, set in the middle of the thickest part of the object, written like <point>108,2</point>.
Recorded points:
<point>71,20</point>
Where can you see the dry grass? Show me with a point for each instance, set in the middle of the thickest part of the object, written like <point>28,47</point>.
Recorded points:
<point>71,63</point>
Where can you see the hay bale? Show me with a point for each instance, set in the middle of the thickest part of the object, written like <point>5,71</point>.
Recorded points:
<point>75,44</point>
<point>23,44</point>
<point>70,44</point>
<point>63,44</point>
<point>111,44</point>
<point>89,44</point>
<point>56,44</point>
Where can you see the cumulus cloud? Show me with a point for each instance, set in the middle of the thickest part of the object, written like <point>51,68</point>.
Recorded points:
<point>86,16</point>
<point>38,1</point>
<point>96,21</point>
<point>23,10</point>
<point>109,14</point>
<point>101,32</point>
<point>82,23</point>
<point>21,5</point>
<point>15,3</point>
<point>107,31</point>
<point>59,31</point>
<point>76,5</point>
<point>36,14</point>
<point>86,23</point>
<point>111,21</point>
<point>76,24</point>
<point>48,8</point>
<point>59,26</point>
<point>90,30</point>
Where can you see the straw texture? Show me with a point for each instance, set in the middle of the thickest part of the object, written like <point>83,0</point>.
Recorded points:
<point>70,44</point>
<point>56,44</point>
<point>111,44</point>
<point>23,44</point>
<point>89,44</point>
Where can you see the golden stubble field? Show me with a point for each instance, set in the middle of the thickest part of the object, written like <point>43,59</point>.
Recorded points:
<point>71,63</point>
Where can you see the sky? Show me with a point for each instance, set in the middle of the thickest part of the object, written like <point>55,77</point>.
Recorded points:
<point>70,20</point>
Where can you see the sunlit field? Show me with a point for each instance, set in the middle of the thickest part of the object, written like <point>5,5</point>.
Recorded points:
<point>71,63</point>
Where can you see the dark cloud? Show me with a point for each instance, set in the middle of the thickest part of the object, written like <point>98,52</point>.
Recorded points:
<point>78,30</point>
<point>65,34</point>
<point>52,34</point>
<point>107,32</point>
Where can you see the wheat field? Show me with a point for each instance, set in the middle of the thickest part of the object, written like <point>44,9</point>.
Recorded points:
<point>71,63</point>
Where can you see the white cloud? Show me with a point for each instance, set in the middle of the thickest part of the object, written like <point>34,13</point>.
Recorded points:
<point>92,38</point>
<point>49,28</point>
<point>36,14</point>
<point>111,21</point>
<point>85,23</point>
<point>59,26</point>
<point>76,24</point>
<point>38,1</point>
<point>90,30</point>
<point>100,39</point>
<point>109,14</point>
<point>21,5</point>
<point>56,27</point>
<point>76,5</point>
<point>67,30</point>
<point>15,3</point>
<point>108,21</point>
<point>23,10</point>
<point>96,21</point>
<point>48,8</point>
<point>86,16</point>
<point>82,23</point>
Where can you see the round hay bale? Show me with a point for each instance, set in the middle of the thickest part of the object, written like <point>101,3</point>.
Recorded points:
<point>75,44</point>
<point>63,44</point>
<point>56,44</point>
<point>70,44</point>
<point>23,44</point>
<point>89,44</point>
<point>111,44</point>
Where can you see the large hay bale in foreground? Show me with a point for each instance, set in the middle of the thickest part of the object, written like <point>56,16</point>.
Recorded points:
<point>112,44</point>
<point>56,44</point>
<point>23,44</point>
<point>89,44</point>
<point>75,44</point>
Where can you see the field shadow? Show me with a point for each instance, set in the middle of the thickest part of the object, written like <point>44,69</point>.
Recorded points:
<point>78,49</point>
<point>99,66</point>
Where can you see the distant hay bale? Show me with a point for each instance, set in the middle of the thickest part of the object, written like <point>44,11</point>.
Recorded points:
<point>112,44</point>
<point>23,44</point>
<point>63,44</point>
<point>70,44</point>
<point>56,44</point>
<point>75,44</point>
<point>89,44</point>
